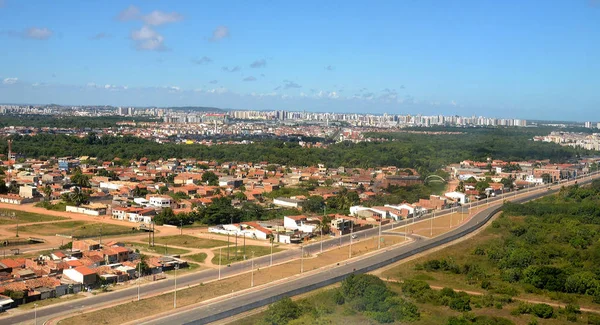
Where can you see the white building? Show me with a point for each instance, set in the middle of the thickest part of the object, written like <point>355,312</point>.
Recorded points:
<point>285,202</point>
<point>160,201</point>
<point>300,223</point>
<point>460,197</point>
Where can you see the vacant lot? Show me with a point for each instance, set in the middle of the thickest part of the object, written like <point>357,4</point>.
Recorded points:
<point>189,241</point>
<point>157,249</point>
<point>199,258</point>
<point>236,254</point>
<point>9,217</point>
<point>78,229</point>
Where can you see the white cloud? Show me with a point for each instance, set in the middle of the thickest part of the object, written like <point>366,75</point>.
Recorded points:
<point>38,33</point>
<point>220,33</point>
<point>130,13</point>
<point>453,103</point>
<point>157,18</point>
<point>147,39</point>
<point>202,60</point>
<point>250,78</point>
<point>10,81</point>
<point>232,69</point>
<point>258,63</point>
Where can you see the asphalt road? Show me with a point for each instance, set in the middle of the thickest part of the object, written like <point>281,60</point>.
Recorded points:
<point>366,264</point>
<point>268,294</point>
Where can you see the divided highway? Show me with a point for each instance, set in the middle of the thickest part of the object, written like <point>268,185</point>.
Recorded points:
<point>260,297</point>
<point>268,294</point>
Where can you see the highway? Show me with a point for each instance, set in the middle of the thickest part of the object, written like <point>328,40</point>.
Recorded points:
<point>254,299</point>
<point>207,313</point>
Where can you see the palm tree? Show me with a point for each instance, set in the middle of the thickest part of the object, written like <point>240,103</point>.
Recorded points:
<point>47,192</point>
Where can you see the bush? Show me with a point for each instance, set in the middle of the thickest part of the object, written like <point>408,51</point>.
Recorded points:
<point>593,319</point>
<point>282,312</point>
<point>461,303</point>
<point>543,310</point>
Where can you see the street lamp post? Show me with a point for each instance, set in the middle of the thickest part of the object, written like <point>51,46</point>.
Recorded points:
<point>175,292</point>
<point>252,281</point>
<point>139,275</point>
<point>379,239</point>
<point>431,224</point>
<point>35,313</point>
<point>271,262</point>
<point>220,255</point>
<point>350,250</point>
<point>301,258</point>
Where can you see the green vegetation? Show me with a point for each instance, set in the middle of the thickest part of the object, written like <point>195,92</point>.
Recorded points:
<point>158,249</point>
<point>8,216</point>
<point>220,211</point>
<point>239,256</point>
<point>424,152</point>
<point>189,241</point>
<point>198,258</point>
<point>78,229</point>
<point>363,294</point>
<point>78,122</point>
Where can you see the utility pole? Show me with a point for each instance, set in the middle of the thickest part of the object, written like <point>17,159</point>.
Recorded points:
<point>236,245</point>
<point>181,227</point>
<point>35,313</point>
<point>244,246</point>
<point>17,235</point>
<point>228,246</point>
<point>101,224</point>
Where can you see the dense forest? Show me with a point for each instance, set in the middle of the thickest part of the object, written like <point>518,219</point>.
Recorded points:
<point>424,152</point>
<point>76,122</point>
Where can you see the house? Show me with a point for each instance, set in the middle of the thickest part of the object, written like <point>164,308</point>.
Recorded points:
<point>144,215</point>
<point>300,223</point>
<point>95,209</point>
<point>13,199</point>
<point>287,202</point>
<point>82,274</point>
<point>161,201</point>
<point>86,245</point>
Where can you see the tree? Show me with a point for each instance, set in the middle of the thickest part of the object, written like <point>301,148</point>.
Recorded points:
<point>460,187</point>
<point>325,224</point>
<point>47,192</point>
<point>163,189</point>
<point>210,178</point>
<point>282,312</point>
<point>313,204</point>
<point>80,179</point>
<point>76,197</point>
<point>140,191</point>
<point>240,196</point>
<point>507,182</point>
<point>3,187</point>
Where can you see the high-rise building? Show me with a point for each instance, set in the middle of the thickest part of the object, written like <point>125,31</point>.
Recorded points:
<point>588,125</point>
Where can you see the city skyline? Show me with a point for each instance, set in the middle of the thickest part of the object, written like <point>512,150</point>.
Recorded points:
<point>468,58</point>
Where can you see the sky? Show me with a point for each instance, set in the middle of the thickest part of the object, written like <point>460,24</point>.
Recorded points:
<point>522,59</point>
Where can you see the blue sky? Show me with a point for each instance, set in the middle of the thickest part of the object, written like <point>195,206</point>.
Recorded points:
<point>524,59</point>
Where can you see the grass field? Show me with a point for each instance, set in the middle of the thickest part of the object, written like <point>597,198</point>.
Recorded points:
<point>189,241</point>
<point>157,249</point>
<point>9,217</point>
<point>199,258</point>
<point>79,229</point>
<point>51,301</point>
<point>233,257</point>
